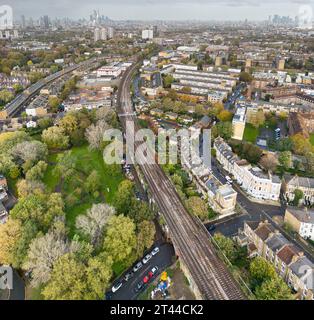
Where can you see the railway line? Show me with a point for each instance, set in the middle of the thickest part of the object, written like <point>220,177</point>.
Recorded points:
<point>189,237</point>
<point>17,104</point>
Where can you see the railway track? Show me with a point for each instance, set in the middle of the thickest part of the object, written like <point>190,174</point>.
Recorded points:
<point>189,237</point>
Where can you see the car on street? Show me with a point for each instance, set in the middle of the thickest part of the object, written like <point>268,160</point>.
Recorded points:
<point>116,287</point>
<point>146,279</point>
<point>211,227</point>
<point>139,286</point>
<point>147,258</point>
<point>128,276</point>
<point>154,270</point>
<point>138,266</point>
<point>155,251</point>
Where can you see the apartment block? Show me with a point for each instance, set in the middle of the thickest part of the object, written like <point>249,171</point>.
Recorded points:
<point>238,123</point>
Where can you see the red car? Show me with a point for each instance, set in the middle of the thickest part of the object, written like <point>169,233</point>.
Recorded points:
<point>146,279</point>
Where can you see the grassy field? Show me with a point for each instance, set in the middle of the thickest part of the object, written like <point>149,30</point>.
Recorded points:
<point>85,162</point>
<point>312,139</point>
<point>250,133</point>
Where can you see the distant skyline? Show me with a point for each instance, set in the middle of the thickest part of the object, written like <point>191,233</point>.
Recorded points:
<point>159,10</point>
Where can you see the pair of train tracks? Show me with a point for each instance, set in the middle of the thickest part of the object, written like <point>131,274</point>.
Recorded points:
<point>190,240</point>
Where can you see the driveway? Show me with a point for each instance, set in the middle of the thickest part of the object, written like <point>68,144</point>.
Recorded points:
<point>162,260</point>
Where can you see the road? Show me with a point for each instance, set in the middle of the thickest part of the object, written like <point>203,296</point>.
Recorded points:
<point>190,238</point>
<point>236,94</point>
<point>162,260</point>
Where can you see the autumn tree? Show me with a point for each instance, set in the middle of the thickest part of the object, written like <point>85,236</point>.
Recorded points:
<point>93,223</point>
<point>9,236</point>
<point>37,172</point>
<point>225,116</point>
<point>198,207</point>
<point>120,239</point>
<point>145,236</point>
<point>269,162</point>
<point>95,134</point>
<point>261,270</point>
<point>42,209</point>
<point>28,187</point>
<point>43,252</point>
<point>273,289</point>
<point>285,159</point>
<point>67,280</point>
<point>55,138</point>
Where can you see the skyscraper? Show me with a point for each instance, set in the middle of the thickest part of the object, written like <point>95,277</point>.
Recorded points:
<point>96,34</point>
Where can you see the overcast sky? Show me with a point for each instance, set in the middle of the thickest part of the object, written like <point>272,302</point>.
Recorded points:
<point>159,9</point>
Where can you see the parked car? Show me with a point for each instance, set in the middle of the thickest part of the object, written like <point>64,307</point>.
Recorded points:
<point>146,279</point>
<point>154,270</point>
<point>128,276</point>
<point>155,251</point>
<point>137,266</point>
<point>211,227</point>
<point>116,287</point>
<point>139,286</point>
<point>147,258</point>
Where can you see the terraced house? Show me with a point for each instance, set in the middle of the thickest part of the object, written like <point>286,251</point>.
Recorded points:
<point>254,181</point>
<point>289,261</point>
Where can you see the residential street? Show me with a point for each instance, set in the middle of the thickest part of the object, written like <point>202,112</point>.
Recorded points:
<point>162,260</point>
<point>254,212</point>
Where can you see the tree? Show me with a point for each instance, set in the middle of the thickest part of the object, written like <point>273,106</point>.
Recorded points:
<point>300,145</point>
<point>30,152</point>
<point>222,129</point>
<point>261,270</point>
<point>28,187</point>
<point>225,115</point>
<point>251,152</point>
<point>55,138</point>
<point>93,223</point>
<point>95,134</point>
<point>273,289</point>
<point>66,165</point>
<point>285,159</point>
<point>145,236</point>
<point>259,119</point>
<point>43,252</point>
<point>37,172</point>
<point>98,275</point>
<point>42,209</point>
<point>54,103</point>
<point>67,280</point>
<point>309,163</point>
<point>92,182</point>
<point>124,196</point>
<point>168,80</point>
<point>9,236</point>
<point>269,162</point>
<point>68,123</point>
<point>139,211</point>
<point>245,77</point>
<point>197,207</point>
<point>298,195</point>
<point>120,239</point>
<point>29,231</point>
<point>226,245</point>
<point>5,96</point>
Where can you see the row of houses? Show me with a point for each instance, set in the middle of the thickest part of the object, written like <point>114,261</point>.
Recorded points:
<point>221,198</point>
<point>3,197</point>
<point>253,180</point>
<point>263,240</point>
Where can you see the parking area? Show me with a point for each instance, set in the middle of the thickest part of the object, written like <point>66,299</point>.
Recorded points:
<point>129,289</point>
